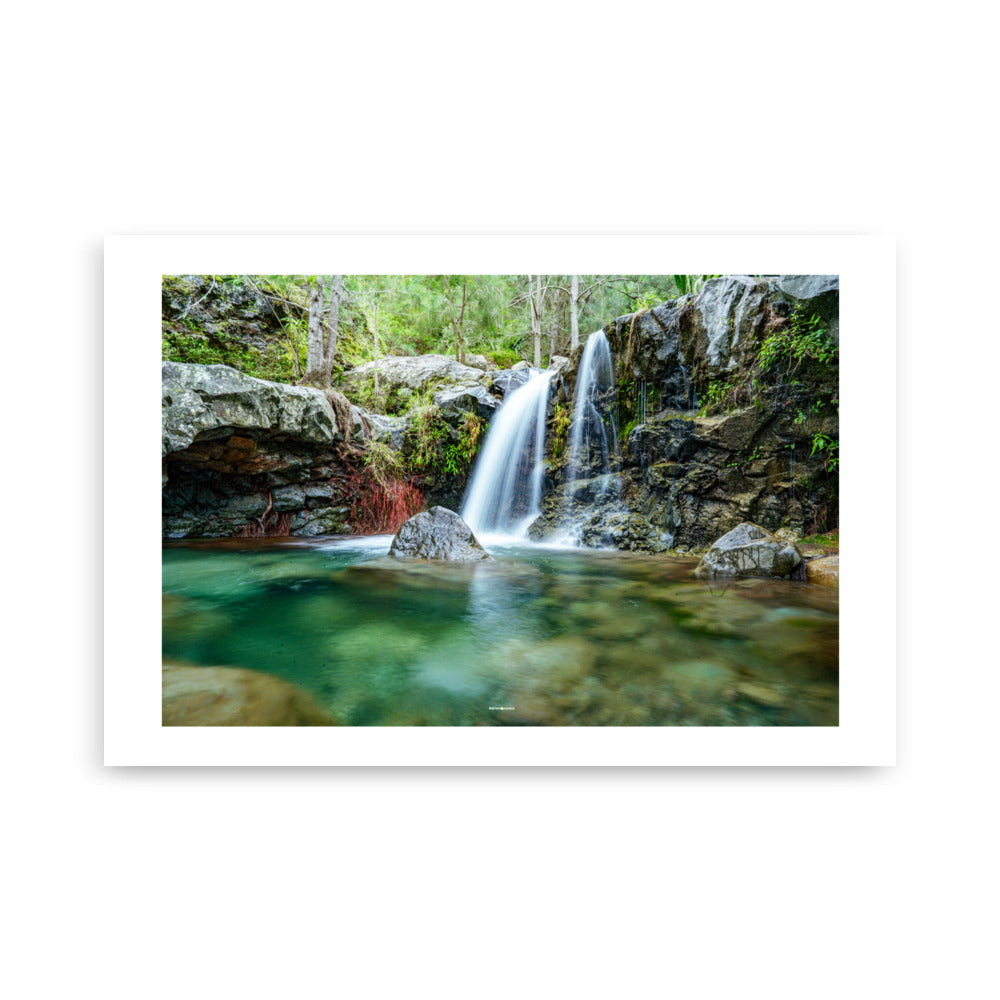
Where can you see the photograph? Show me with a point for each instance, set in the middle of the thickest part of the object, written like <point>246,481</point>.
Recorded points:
<point>507,500</point>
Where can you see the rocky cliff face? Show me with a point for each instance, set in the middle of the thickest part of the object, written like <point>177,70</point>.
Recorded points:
<point>726,415</point>
<point>242,455</point>
<point>727,411</point>
<point>246,456</point>
<point>698,478</point>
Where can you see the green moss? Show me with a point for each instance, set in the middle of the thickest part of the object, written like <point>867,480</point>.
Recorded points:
<point>504,357</point>
<point>829,540</point>
<point>186,344</point>
<point>561,419</point>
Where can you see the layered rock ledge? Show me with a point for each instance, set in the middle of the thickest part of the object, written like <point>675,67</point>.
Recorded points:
<point>243,455</point>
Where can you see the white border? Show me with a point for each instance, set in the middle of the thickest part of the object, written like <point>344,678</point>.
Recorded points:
<point>867,730</point>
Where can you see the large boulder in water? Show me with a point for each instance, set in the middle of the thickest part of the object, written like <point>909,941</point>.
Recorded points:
<point>437,533</point>
<point>824,571</point>
<point>749,550</point>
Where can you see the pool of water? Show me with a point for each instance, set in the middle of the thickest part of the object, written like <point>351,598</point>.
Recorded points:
<point>537,636</point>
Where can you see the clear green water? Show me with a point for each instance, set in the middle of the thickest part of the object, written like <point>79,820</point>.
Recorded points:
<point>537,637</point>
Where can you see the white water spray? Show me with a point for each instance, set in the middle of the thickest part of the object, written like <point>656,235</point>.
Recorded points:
<point>505,492</point>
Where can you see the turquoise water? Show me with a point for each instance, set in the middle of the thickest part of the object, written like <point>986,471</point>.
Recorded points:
<point>536,637</point>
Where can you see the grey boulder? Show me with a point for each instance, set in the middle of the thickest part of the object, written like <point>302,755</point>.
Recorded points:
<point>749,550</point>
<point>437,533</point>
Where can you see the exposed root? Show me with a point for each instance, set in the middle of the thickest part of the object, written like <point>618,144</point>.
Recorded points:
<point>341,407</point>
<point>269,525</point>
<point>379,505</point>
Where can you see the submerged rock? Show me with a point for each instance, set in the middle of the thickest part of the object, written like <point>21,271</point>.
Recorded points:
<point>437,533</point>
<point>749,550</point>
<point>231,696</point>
<point>308,524</point>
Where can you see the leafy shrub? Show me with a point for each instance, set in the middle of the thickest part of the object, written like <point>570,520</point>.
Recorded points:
<point>719,395</point>
<point>561,419</point>
<point>829,448</point>
<point>504,357</point>
<point>802,339</point>
<point>434,447</point>
<point>382,462</point>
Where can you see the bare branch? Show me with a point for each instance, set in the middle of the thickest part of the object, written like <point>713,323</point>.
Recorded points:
<point>191,305</point>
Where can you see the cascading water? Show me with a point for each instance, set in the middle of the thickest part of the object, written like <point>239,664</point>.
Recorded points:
<point>593,432</point>
<point>505,492</point>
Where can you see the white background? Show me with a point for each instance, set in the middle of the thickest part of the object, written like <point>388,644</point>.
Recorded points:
<point>767,118</point>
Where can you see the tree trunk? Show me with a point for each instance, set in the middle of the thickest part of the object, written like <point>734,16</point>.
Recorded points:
<point>457,325</point>
<point>333,321</point>
<point>574,312</point>
<point>314,358</point>
<point>536,317</point>
<point>461,320</point>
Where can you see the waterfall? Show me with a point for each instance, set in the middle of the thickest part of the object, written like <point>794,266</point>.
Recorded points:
<point>505,492</point>
<point>593,432</point>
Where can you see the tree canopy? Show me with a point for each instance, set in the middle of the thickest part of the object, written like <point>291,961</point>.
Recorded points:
<point>506,317</point>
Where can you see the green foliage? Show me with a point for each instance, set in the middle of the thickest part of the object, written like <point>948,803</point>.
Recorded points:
<point>802,339</point>
<point>424,438</point>
<point>504,358</point>
<point>719,395</point>
<point>503,351</point>
<point>459,454</point>
<point>382,462</point>
<point>561,418</point>
<point>379,398</point>
<point>434,447</point>
<point>411,316</point>
<point>745,460</point>
<point>185,343</point>
<point>628,428</point>
<point>828,447</point>
<point>829,540</point>
<point>794,366</point>
<point>690,282</point>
